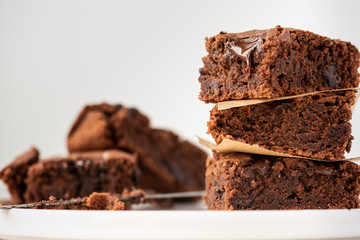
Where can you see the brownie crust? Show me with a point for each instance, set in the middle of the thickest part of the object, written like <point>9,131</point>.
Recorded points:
<point>315,126</point>
<point>238,181</point>
<point>275,62</point>
<point>167,163</point>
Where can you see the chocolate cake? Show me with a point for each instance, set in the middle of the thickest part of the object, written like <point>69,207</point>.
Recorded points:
<point>237,181</point>
<point>77,175</point>
<point>275,62</point>
<point>15,173</point>
<point>315,126</point>
<point>167,163</point>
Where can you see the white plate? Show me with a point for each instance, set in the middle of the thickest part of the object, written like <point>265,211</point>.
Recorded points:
<point>179,224</point>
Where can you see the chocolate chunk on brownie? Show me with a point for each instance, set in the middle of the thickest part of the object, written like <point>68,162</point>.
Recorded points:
<point>315,126</point>
<point>16,172</point>
<point>237,181</point>
<point>167,163</point>
<point>274,63</point>
<point>77,175</point>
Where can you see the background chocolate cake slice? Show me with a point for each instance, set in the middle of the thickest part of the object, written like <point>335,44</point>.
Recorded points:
<point>77,175</point>
<point>15,173</point>
<point>315,126</point>
<point>275,62</point>
<point>167,163</point>
<point>237,181</point>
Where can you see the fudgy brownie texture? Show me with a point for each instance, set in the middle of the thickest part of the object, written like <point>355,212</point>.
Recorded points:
<point>77,175</point>
<point>237,181</point>
<point>315,126</point>
<point>15,173</point>
<point>167,163</point>
<point>275,62</point>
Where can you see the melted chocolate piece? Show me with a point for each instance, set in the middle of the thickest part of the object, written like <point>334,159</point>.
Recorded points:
<point>243,48</point>
<point>323,168</point>
<point>332,76</point>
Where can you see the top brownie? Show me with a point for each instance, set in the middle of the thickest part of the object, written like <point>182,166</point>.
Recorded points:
<point>275,62</point>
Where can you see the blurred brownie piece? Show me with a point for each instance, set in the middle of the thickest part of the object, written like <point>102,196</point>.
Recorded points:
<point>167,163</point>
<point>15,173</point>
<point>275,62</point>
<point>237,181</point>
<point>81,174</point>
<point>315,126</point>
<point>77,175</point>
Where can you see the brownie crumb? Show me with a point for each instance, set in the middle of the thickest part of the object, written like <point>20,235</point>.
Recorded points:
<point>104,201</point>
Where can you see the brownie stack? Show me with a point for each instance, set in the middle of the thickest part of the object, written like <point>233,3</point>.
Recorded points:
<point>321,74</point>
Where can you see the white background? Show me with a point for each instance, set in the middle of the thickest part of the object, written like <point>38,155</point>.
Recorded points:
<point>56,56</point>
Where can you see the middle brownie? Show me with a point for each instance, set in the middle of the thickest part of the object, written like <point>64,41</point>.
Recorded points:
<point>315,126</point>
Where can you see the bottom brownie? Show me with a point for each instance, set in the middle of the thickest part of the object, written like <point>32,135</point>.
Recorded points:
<point>237,181</point>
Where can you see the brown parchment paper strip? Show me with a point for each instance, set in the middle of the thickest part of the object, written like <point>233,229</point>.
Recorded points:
<point>246,102</point>
<point>228,145</point>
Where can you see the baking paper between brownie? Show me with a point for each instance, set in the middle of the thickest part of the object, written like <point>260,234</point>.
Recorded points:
<point>241,103</point>
<point>228,145</point>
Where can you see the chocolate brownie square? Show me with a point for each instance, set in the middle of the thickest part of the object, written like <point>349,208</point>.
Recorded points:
<point>314,126</point>
<point>77,175</point>
<point>275,62</point>
<point>237,181</point>
<point>81,174</point>
<point>167,163</point>
<point>15,173</point>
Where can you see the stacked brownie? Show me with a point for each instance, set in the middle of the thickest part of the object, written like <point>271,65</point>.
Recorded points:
<point>318,75</point>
